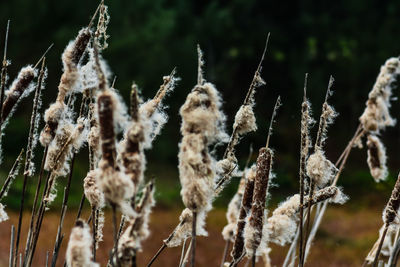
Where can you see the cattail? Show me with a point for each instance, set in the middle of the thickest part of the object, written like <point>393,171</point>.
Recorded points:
<point>305,143</point>
<point>17,90</point>
<point>392,207</point>
<point>184,229</point>
<point>69,138</point>
<point>3,214</point>
<point>70,58</point>
<point>137,231</point>
<point>232,214</point>
<point>169,84</point>
<point>200,128</point>
<point>319,168</point>
<point>92,191</point>
<point>376,115</point>
<point>132,154</point>
<point>376,158</point>
<point>153,111</point>
<point>389,218</point>
<point>94,137</point>
<point>34,123</point>
<point>79,253</point>
<point>254,225</point>
<point>202,125</point>
<point>117,187</point>
<point>101,29</point>
<point>245,207</point>
<point>281,227</point>
<point>245,120</point>
<point>106,106</point>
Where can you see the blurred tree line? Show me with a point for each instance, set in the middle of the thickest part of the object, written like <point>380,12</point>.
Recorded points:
<point>349,39</point>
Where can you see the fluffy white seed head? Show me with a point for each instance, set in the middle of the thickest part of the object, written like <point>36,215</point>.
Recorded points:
<point>245,121</point>
<point>376,115</point>
<point>320,169</point>
<point>117,189</point>
<point>91,189</point>
<point>201,113</point>
<point>376,158</point>
<point>281,227</point>
<point>3,213</point>
<point>184,229</point>
<point>79,252</point>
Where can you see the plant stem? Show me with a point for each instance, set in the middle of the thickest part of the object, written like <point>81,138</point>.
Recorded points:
<point>194,238</point>
<point>225,255</point>
<point>378,252</point>
<point>11,258</point>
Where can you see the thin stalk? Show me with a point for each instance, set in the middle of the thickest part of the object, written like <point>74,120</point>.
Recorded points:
<point>182,252</point>
<point>63,211</point>
<point>47,258</point>
<point>30,232</point>
<point>342,161</point>
<point>394,256</point>
<point>94,212</point>
<point>194,238</point>
<point>11,258</point>
<point>253,261</point>
<point>78,215</point>
<point>225,255</point>
<point>303,158</point>
<point>4,74</point>
<point>38,225</point>
<point>378,252</point>
<point>11,175</point>
<point>21,209</point>
<point>115,232</point>
<point>186,258</point>
<point>164,245</point>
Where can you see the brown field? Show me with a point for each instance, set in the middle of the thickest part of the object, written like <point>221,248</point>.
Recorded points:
<point>344,238</point>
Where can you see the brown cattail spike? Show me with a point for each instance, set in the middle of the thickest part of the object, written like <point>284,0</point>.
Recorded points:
<point>393,205</point>
<point>247,200</point>
<point>254,228</point>
<point>107,135</point>
<point>25,77</point>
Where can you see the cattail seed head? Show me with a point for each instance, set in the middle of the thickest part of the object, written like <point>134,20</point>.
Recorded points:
<point>137,231</point>
<point>376,158</point>
<point>320,169</point>
<point>17,89</point>
<point>281,227</point>
<point>106,108</point>
<point>52,116</point>
<point>245,207</point>
<point>232,214</point>
<point>202,125</point>
<point>254,226</point>
<point>245,121</point>
<point>392,207</point>
<point>92,191</point>
<point>184,229</point>
<point>376,115</point>
<point>79,252</point>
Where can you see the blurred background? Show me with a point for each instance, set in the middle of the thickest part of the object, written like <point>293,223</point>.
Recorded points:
<point>347,39</point>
